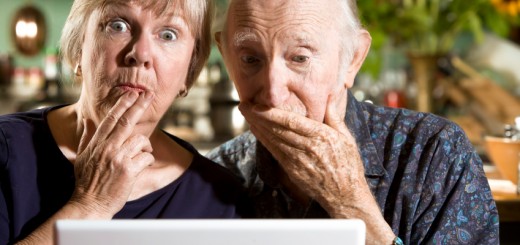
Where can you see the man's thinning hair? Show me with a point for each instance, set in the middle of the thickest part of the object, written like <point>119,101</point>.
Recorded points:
<point>348,26</point>
<point>348,22</point>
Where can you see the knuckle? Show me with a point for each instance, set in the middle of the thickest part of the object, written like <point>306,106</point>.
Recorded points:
<point>118,162</point>
<point>148,159</point>
<point>272,138</point>
<point>108,149</point>
<point>111,117</point>
<point>278,131</point>
<point>143,139</point>
<point>124,121</point>
<point>291,122</point>
<point>139,141</point>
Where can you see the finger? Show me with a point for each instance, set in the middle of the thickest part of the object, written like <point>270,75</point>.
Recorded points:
<point>135,145</point>
<point>269,143</point>
<point>88,132</point>
<point>289,157</point>
<point>113,116</point>
<point>143,160</point>
<point>288,146</point>
<point>332,116</point>
<point>273,117</point>
<point>137,164</point>
<point>126,123</point>
<point>276,134</point>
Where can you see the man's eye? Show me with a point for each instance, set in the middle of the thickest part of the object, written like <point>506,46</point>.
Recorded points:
<point>168,35</point>
<point>118,25</point>
<point>300,58</point>
<point>249,59</point>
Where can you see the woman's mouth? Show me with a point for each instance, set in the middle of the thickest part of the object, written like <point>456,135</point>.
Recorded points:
<point>132,88</point>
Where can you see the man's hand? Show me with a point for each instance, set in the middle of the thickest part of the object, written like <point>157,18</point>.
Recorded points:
<point>323,160</point>
<point>111,157</point>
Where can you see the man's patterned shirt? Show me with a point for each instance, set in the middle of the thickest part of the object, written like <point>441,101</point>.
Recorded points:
<point>422,170</point>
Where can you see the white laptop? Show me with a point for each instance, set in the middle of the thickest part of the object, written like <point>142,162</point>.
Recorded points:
<point>211,231</point>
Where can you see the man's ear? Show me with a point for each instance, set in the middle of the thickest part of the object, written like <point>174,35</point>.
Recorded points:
<point>218,39</point>
<point>364,40</point>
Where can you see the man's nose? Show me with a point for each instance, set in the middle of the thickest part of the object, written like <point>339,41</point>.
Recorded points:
<point>275,90</point>
<point>140,52</point>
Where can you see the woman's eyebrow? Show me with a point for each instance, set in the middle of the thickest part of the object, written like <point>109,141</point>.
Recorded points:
<point>114,9</point>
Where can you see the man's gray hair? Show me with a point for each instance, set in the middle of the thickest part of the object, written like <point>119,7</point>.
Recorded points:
<point>349,22</point>
<point>349,25</point>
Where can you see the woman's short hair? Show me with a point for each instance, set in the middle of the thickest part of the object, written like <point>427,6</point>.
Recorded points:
<point>197,13</point>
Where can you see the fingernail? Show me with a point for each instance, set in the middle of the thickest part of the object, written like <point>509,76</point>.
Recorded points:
<point>148,95</point>
<point>132,95</point>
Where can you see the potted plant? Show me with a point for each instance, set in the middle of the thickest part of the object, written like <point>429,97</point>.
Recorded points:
<point>427,29</point>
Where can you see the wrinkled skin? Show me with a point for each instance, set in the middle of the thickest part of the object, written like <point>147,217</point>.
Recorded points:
<point>111,158</point>
<point>133,65</point>
<point>285,59</point>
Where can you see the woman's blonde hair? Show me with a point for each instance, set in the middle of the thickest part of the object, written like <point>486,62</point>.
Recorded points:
<point>197,13</point>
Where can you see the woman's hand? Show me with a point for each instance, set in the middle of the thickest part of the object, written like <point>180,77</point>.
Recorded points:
<point>107,165</point>
<point>111,158</point>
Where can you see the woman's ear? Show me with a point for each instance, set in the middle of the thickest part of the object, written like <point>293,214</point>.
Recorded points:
<point>364,40</point>
<point>77,67</point>
<point>77,70</point>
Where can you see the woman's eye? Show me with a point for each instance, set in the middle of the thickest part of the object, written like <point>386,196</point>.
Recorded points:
<point>168,35</point>
<point>300,59</point>
<point>118,25</point>
<point>249,59</point>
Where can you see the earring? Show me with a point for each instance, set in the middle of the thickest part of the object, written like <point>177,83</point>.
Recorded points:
<point>183,92</point>
<point>77,70</point>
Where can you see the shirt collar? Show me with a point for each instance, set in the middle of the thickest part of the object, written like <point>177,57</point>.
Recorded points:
<point>356,120</point>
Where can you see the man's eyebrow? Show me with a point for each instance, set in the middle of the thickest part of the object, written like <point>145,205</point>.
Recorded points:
<point>244,36</point>
<point>303,38</point>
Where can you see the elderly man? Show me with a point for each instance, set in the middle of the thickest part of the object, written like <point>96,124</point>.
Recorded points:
<point>314,151</point>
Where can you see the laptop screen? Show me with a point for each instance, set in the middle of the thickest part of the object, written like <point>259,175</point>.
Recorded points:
<point>211,231</point>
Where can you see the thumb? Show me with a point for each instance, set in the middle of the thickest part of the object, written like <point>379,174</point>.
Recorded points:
<point>333,117</point>
<point>88,132</point>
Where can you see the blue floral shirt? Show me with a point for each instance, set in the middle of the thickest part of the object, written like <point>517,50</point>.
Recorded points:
<point>422,170</point>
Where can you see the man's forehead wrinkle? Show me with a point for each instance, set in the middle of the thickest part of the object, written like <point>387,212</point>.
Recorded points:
<point>312,11</point>
<point>301,36</point>
<point>260,20</point>
<point>302,27</point>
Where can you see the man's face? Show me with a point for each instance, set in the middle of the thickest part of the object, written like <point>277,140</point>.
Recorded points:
<point>284,54</point>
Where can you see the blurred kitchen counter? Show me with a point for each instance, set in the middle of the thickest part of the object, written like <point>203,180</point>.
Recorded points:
<point>505,195</point>
<point>7,104</point>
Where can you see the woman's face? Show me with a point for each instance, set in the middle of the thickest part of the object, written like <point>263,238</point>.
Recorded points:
<point>128,48</point>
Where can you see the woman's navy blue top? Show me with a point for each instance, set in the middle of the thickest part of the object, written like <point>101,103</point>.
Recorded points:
<point>36,180</point>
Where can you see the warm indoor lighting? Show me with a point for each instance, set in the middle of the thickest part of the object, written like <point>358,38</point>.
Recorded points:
<point>26,29</point>
<point>238,120</point>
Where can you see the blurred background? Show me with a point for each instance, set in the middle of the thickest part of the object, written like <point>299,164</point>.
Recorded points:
<point>458,59</point>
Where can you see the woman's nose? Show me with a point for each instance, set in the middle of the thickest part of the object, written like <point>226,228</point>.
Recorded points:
<point>140,52</point>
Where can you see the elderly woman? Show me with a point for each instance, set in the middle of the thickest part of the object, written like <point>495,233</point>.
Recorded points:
<point>103,157</point>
